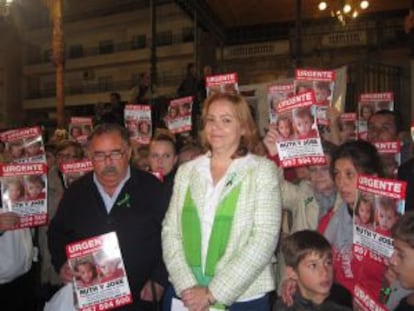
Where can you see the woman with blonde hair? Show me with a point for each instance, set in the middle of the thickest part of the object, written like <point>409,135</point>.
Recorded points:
<point>221,229</point>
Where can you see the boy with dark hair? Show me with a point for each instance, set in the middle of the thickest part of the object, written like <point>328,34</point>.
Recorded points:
<point>308,258</point>
<point>402,260</point>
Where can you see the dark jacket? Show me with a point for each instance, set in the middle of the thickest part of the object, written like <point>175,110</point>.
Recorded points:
<point>82,214</point>
<point>406,173</point>
<point>302,304</point>
<point>404,305</point>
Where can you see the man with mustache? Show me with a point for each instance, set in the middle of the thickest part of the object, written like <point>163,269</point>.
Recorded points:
<point>114,197</point>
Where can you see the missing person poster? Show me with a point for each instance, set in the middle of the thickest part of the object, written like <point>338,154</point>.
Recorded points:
<point>322,83</point>
<point>368,104</point>
<point>79,129</point>
<point>298,142</point>
<point>379,206</point>
<point>100,281</point>
<point>276,93</point>
<point>72,171</point>
<point>24,192</point>
<point>225,83</point>
<point>24,145</point>
<point>138,123</point>
<point>179,115</point>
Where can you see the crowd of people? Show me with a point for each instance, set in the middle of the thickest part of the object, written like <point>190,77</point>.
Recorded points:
<point>215,222</point>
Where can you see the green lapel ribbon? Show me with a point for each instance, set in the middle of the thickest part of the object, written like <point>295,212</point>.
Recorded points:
<point>124,201</point>
<point>219,238</point>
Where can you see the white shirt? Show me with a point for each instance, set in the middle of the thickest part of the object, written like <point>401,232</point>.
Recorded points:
<point>212,197</point>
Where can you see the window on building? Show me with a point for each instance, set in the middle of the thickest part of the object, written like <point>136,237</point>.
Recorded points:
<point>188,34</point>
<point>164,38</point>
<point>76,51</point>
<point>139,42</point>
<point>106,47</point>
<point>105,83</point>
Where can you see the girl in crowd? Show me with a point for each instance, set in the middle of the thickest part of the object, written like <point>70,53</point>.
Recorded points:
<point>163,159</point>
<point>222,225</point>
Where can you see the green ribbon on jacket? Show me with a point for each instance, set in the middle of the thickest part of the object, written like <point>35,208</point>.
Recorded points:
<point>219,238</point>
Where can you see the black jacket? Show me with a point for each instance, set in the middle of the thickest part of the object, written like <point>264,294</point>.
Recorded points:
<point>82,214</point>
<point>302,304</point>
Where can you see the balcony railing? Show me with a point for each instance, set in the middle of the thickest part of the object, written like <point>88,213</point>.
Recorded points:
<point>163,39</point>
<point>91,87</point>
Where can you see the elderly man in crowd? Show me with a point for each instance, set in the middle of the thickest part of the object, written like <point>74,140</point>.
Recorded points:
<point>114,197</point>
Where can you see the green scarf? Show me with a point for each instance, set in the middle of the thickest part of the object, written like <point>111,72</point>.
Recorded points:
<point>219,238</point>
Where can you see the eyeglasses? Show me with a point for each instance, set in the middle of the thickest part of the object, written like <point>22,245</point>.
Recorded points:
<point>113,155</point>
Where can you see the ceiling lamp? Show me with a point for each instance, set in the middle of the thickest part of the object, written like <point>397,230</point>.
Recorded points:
<point>322,6</point>
<point>347,8</point>
<point>344,10</point>
<point>364,4</point>
<point>5,7</point>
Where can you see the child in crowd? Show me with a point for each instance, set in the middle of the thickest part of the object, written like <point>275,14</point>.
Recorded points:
<point>322,93</point>
<point>284,128</point>
<point>34,187</point>
<point>15,190</point>
<point>387,215</point>
<point>308,257</point>
<point>364,212</point>
<point>402,260</point>
<point>86,273</point>
<point>303,121</point>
